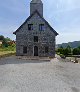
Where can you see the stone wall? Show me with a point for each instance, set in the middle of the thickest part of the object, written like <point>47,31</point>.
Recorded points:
<point>36,6</point>
<point>24,37</point>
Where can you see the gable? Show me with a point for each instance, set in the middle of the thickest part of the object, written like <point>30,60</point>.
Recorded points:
<point>34,19</point>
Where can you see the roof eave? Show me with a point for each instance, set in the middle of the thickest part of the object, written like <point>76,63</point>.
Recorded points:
<point>57,34</point>
<point>14,32</point>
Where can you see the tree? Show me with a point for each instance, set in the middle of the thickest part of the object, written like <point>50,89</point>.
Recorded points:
<point>76,51</point>
<point>65,52</point>
<point>61,47</point>
<point>60,50</point>
<point>2,37</point>
<point>5,44</point>
<point>4,40</point>
<point>79,47</point>
<point>69,49</point>
<point>7,39</point>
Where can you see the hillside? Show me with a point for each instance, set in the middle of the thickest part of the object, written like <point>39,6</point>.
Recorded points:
<point>72,44</point>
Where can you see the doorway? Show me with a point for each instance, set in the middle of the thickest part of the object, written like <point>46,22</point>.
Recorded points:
<point>35,51</point>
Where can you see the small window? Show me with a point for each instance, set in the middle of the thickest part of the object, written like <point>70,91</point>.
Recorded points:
<point>46,49</point>
<point>24,50</point>
<point>35,38</point>
<point>30,26</point>
<point>41,27</point>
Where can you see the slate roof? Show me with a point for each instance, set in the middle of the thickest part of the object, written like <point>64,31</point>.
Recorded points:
<point>41,18</point>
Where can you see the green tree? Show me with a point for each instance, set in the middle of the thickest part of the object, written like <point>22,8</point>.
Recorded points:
<point>60,50</point>
<point>61,47</point>
<point>5,44</point>
<point>2,37</point>
<point>65,51</point>
<point>69,49</point>
<point>76,51</point>
<point>79,47</point>
<point>4,40</point>
<point>7,39</point>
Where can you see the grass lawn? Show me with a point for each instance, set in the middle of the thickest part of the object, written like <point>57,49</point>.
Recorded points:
<point>7,51</point>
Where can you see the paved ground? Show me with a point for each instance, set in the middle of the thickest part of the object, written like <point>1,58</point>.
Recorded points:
<point>38,76</point>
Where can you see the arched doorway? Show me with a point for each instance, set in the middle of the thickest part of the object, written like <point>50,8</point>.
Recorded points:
<point>35,51</point>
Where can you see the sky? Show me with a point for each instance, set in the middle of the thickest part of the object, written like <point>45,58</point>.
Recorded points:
<point>62,15</point>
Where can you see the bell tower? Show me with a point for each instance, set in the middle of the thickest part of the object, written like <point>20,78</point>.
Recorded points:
<point>36,5</point>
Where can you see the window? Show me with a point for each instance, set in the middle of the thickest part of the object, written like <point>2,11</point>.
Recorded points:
<point>41,27</point>
<point>35,38</point>
<point>30,26</point>
<point>24,50</point>
<point>46,49</point>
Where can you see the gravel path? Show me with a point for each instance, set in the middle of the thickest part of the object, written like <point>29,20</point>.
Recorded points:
<point>18,75</point>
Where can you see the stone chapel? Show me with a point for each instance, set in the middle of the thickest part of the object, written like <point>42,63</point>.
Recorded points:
<point>35,37</point>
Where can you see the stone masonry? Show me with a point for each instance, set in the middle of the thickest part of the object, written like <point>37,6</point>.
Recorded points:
<point>25,37</point>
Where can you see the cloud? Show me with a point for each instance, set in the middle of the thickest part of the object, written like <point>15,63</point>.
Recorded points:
<point>7,30</point>
<point>63,16</point>
<point>69,35</point>
<point>62,5</point>
<point>14,5</point>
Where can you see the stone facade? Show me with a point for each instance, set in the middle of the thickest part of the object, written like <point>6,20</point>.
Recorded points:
<point>39,7</point>
<point>25,37</point>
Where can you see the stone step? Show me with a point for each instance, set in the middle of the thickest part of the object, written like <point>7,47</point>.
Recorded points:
<point>33,58</point>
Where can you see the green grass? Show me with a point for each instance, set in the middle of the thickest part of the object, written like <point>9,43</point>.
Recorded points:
<point>9,48</point>
<point>7,51</point>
